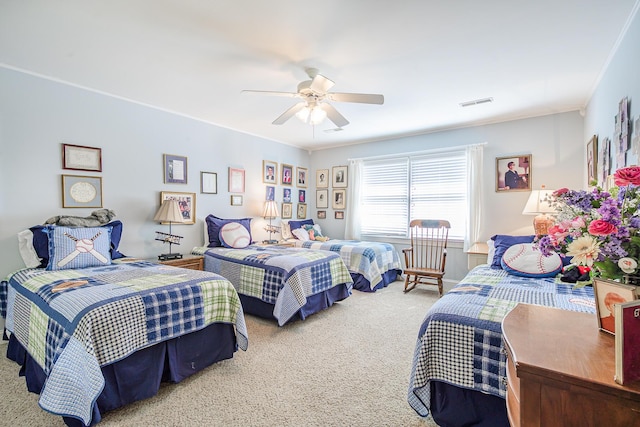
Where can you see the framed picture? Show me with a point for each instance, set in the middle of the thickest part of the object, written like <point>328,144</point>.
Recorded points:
<point>287,174</point>
<point>269,172</point>
<point>81,191</point>
<point>209,182</point>
<point>301,174</point>
<point>236,200</point>
<point>340,176</point>
<point>175,169</point>
<point>322,214</point>
<point>339,215</point>
<point>608,293</point>
<point>286,195</point>
<point>339,199</point>
<point>302,196</point>
<point>287,210</point>
<point>322,178</point>
<point>322,199</point>
<point>592,161</point>
<point>271,193</point>
<point>81,158</point>
<point>187,202</point>
<point>513,173</point>
<point>302,210</point>
<point>236,180</point>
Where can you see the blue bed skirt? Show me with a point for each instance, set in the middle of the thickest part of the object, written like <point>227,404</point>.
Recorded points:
<point>315,303</point>
<point>362,284</point>
<point>452,406</point>
<point>139,375</point>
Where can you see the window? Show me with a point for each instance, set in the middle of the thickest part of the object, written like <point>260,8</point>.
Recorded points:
<point>399,189</point>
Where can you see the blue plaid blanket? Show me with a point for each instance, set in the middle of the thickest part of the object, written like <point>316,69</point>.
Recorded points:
<point>284,277</point>
<point>72,322</point>
<point>460,340</point>
<point>371,259</point>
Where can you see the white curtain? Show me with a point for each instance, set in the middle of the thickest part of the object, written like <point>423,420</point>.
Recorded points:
<point>352,216</point>
<point>474,195</point>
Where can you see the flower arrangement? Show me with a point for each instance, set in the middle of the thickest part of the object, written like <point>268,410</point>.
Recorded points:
<point>599,229</point>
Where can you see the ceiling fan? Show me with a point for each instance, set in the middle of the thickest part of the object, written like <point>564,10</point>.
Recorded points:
<point>313,108</point>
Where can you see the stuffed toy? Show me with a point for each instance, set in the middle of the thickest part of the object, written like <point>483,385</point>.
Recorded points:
<point>96,219</point>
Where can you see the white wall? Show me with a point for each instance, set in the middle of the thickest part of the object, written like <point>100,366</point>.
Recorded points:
<point>620,80</point>
<point>38,115</point>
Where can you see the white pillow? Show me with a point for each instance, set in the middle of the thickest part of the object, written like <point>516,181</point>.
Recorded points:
<point>492,251</point>
<point>523,259</point>
<point>234,235</point>
<point>27,251</point>
<point>301,234</point>
<point>285,230</point>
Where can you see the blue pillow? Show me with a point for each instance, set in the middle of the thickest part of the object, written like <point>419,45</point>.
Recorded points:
<point>502,242</point>
<point>214,224</point>
<point>41,241</point>
<point>293,225</point>
<point>79,247</point>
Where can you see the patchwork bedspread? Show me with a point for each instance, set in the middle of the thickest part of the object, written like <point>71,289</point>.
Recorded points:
<point>284,277</point>
<point>74,321</point>
<point>371,259</point>
<point>460,339</point>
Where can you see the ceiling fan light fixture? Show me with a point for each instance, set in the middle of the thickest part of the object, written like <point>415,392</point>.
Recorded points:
<point>312,115</point>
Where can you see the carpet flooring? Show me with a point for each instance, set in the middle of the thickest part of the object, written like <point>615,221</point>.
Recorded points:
<point>348,365</point>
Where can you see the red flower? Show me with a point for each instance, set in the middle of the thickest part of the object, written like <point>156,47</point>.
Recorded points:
<point>599,227</point>
<point>626,176</point>
<point>560,191</point>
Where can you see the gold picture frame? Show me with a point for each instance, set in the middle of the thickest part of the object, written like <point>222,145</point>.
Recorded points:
<point>607,294</point>
<point>513,173</point>
<point>187,202</point>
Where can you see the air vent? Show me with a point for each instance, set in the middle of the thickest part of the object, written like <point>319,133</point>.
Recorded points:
<point>476,102</point>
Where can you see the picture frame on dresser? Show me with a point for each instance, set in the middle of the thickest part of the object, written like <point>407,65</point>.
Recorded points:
<point>607,294</point>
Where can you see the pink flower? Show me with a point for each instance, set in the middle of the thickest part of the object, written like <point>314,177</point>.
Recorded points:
<point>599,227</point>
<point>628,175</point>
<point>560,191</point>
<point>578,222</point>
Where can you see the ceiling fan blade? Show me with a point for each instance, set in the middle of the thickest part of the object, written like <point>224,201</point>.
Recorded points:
<point>362,98</point>
<point>289,113</point>
<point>333,115</point>
<point>321,84</point>
<point>269,92</point>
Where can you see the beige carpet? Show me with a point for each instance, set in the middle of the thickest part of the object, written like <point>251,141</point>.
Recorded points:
<point>346,366</point>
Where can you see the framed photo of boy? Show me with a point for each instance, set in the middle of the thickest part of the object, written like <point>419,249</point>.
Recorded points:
<point>322,178</point>
<point>339,199</point>
<point>513,173</point>
<point>269,172</point>
<point>287,210</point>
<point>609,293</point>
<point>340,177</point>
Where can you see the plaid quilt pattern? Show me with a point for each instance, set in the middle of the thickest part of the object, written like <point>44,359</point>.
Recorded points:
<point>284,277</point>
<point>460,339</point>
<point>370,259</point>
<point>74,321</point>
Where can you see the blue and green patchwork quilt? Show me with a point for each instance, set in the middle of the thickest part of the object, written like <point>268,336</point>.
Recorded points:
<point>284,277</point>
<point>370,259</point>
<point>460,340</point>
<point>74,321</point>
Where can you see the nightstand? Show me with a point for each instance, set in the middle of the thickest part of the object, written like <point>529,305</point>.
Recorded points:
<point>192,262</point>
<point>277,245</point>
<point>477,254</point>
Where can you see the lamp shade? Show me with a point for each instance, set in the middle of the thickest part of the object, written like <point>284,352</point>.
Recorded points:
<point>538,203</point>
<point>270,209</point>
<point>169,212</point>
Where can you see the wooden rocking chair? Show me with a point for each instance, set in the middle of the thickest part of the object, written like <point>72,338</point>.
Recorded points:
<point>425,259</point>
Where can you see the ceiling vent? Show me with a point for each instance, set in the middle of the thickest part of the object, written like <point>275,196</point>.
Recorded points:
<point>476,102</point>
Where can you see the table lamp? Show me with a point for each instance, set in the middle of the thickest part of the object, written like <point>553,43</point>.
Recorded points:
<point>538,205</point>
<point>169,212</point>
<point>270,212</point>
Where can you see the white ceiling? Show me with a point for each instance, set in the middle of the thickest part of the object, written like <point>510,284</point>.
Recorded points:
<point>194,57</point>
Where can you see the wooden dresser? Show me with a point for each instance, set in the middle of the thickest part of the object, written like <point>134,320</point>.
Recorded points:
<point>560,371</point>
<point>192,262</point>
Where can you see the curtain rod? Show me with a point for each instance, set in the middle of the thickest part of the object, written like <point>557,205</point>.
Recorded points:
<point>416,153</point>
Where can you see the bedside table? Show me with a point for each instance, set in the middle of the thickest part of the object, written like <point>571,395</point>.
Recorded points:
<point>192,262</point>
<point>276,245</point>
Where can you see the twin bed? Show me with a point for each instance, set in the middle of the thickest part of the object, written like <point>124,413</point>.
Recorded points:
<point>459,365</point>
